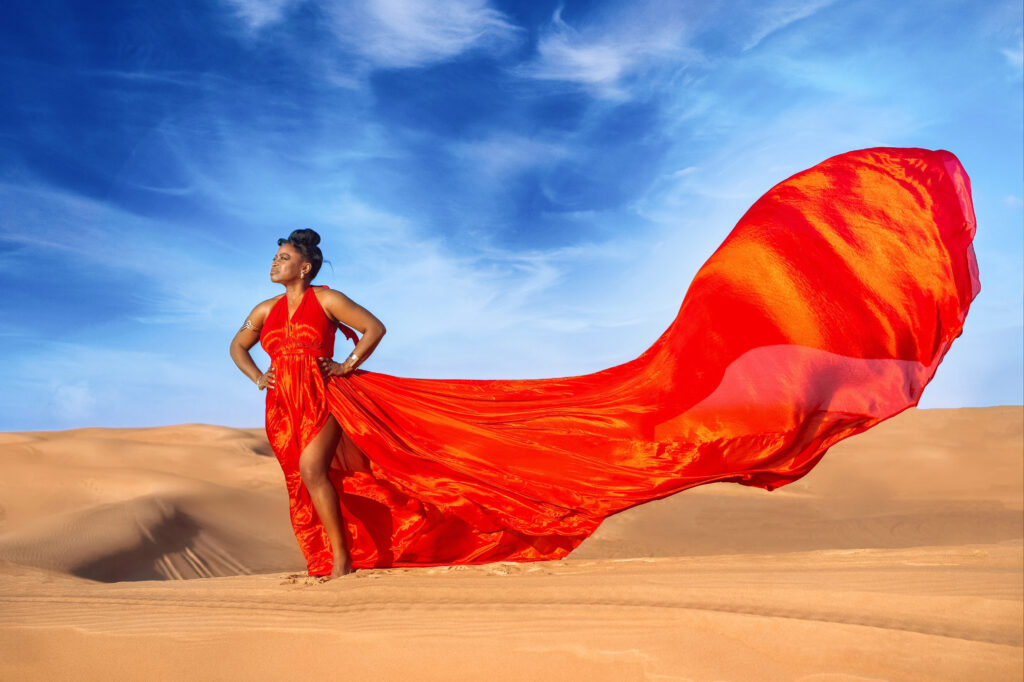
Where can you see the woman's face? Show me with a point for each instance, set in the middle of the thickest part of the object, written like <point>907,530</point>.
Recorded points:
<point>287,264</point>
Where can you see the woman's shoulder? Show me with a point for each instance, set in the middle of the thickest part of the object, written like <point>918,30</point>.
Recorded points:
<point>324,292</point>
<point>263,308</point>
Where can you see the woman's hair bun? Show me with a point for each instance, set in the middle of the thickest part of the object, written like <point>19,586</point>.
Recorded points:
<point>305,236</point>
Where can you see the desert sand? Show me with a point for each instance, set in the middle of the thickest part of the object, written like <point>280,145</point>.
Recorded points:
<point>166,554</point>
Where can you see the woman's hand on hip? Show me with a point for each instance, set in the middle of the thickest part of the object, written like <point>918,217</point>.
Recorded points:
<point>266,380</point>
<point>330,368</point>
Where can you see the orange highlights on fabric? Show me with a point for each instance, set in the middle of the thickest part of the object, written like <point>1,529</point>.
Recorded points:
<point>826,310</point>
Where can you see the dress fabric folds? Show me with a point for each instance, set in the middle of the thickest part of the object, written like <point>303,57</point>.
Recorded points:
<point>826,310</point>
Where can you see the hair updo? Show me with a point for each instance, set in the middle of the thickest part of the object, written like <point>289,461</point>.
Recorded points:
<point>305,242</point>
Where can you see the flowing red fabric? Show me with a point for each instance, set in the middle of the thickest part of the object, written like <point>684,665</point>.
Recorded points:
<point>826,310</point>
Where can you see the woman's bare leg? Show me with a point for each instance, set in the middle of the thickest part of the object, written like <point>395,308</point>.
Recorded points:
<point>314,462</point>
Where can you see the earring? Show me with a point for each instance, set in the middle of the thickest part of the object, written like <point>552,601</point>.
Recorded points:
<point>302,275</point>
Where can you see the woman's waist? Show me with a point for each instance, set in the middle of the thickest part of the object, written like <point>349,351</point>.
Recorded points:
<point>300,353</point>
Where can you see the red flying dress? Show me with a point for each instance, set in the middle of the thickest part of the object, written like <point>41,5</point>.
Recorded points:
<point>826,310</point>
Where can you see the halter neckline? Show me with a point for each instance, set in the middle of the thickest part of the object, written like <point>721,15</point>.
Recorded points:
<point>290,316</point>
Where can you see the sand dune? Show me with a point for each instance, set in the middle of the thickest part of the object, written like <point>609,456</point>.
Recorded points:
<point>925,477</point>
<point>899,557</point>
<point>145,504</point>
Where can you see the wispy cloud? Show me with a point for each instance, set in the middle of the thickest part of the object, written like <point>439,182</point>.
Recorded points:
<point>1003,28</point>
<point>772,17</point>
<point>74,401</point>
<point>391,34</point>
<point>407,33</point>
<point>259,13</point>
<point>602,54</point>
<point>1015,57</point>
<point>504,154</point>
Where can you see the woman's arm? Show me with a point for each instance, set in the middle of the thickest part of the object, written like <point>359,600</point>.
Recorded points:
<point>348,312</point>
<point>246,338</point>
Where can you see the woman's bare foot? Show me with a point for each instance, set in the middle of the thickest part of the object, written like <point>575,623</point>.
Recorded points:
<point>342,566</point>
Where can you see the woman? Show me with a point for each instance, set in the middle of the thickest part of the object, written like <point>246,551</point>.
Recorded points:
<point>296,263</point>
<point>825,311</point>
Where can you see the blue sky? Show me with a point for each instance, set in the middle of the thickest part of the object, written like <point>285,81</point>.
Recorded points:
<point>517,189</point>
